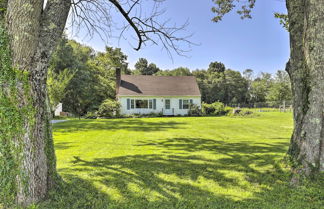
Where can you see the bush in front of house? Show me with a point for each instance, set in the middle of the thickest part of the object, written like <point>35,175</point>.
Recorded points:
<point>214,109</point>
<point>194,110</point>
<point>109,108</point>
<point>148,115</point>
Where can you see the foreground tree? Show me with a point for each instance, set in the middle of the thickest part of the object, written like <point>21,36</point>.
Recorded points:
<point>306,71</point>
<point>34,28</point>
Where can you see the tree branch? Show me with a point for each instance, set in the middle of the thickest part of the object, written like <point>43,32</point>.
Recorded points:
<point>95,15</point>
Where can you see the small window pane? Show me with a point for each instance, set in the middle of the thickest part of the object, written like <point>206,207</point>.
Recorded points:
<point>151,104</point>
<point>167,104</point>
<point>185,104</point>
<point>142,104</point>
<point>132,104</point>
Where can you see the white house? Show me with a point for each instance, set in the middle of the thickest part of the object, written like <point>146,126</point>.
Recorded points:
<point>169,95</point>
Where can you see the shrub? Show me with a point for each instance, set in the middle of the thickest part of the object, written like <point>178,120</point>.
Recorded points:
<point>91,115</point>
<point>149,115</point>
<point>228,110</point>
<point>246,113</point>
<point>216,109</point>
<point>194,110</point>
<point>240,112</point>
<point>109,108</point>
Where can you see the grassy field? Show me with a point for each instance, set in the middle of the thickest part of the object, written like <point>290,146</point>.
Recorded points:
<point>205,162</point>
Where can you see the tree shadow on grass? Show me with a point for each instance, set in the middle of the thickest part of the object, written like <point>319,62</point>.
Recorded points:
<point>116,125</point>
<point>63,145</point>
<point>183,180</point>
<point>217,146</point>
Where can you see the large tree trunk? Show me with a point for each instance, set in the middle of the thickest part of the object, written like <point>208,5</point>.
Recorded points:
<point>34,33</point>
<point>306,70</point>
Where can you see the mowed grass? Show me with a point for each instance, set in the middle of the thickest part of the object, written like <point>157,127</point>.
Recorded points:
<point>204,162</point>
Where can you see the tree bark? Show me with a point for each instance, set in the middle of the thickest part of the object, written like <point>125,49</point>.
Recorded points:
<point>306,70</point>
<point>34,32</point>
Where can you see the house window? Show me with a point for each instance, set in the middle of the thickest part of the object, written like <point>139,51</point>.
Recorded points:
<point>167,104</point>
<point>185,104</point>
<point>132,104</point>
<point>141,104</point>
<point>151,104</point>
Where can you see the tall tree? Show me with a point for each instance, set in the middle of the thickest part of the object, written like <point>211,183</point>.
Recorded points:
<point>57,83</point>
<point>306,71</point>
<point>141,66</point>
<point>216,67</point>
<point>144,68</point>
<point>34,28</point>
<point>305,68</point>
<point>280,90</point>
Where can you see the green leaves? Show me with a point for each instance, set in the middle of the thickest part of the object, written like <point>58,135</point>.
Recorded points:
<point>225,6</point>
<point>144,68</point>
<point>57,84</point>
<point>283,18</point>
<point>82,79</point>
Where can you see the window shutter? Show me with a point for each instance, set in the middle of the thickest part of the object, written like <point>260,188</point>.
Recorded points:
<point>180,104</point>
<point>128,104</point>
<point>154,104</point>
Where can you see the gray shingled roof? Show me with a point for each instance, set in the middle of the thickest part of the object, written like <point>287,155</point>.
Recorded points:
<point>145,85</point>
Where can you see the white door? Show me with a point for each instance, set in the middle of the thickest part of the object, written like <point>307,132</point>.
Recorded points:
<point>167,107</point>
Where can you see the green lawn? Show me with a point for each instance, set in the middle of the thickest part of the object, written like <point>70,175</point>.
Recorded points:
<point>205,162</point>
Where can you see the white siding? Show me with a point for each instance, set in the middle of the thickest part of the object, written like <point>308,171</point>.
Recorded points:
<point>58,109</point>
<point>160,105</point>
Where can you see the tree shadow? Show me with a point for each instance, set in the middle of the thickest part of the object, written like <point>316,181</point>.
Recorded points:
<point>217,146</point>
<point>174,179</point>
<point>63,145</point>
<point>116,125</point>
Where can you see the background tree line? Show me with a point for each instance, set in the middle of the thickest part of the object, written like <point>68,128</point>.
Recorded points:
<point>83,79</point>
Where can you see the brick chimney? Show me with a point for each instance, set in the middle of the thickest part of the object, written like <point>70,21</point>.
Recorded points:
<point>118,80</point>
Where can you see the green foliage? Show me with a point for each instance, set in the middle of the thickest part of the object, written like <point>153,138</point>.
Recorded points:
<point>215,109</point>
<point>10,123</point>
<point>109,108</point>
<point>94,75</point>
<point>12,118</point>
<point>280,91</point>
<point>56,84</point>
<point>148,115</point>
<point>80,91</point>
<point>180,71</point>
<point>228,110</point>
<point>143,68</point>
<point>241,112</point>
<point>284,21</point>
<point>223,7</point>
<point>228,86</point>
<point>194,110</point>
<point>216,67</point>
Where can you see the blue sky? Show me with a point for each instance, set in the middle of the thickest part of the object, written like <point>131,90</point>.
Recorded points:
<point>259,43</point>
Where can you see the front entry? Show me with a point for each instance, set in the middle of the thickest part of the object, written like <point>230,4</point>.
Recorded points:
<point>167,107</point>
